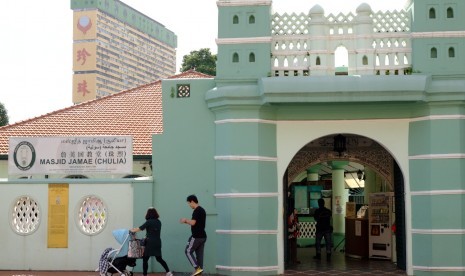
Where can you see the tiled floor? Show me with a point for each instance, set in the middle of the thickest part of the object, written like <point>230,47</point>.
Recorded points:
<point>340,265</point>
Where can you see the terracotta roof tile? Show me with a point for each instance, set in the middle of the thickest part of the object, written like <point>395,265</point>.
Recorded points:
<point>135,112</point>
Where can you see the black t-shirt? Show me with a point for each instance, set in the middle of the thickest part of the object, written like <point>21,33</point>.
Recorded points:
<point>323,219</point>
<point>198,230</point>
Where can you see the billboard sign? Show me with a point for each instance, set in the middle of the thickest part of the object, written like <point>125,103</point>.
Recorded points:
<point>70,155</point>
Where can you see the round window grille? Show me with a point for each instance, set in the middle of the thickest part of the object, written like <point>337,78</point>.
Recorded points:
<point>92,215</point>
<point>25,215</point>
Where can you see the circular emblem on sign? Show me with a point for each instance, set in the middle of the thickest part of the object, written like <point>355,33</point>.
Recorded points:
<point>84,24</point>
<point>24,155</point>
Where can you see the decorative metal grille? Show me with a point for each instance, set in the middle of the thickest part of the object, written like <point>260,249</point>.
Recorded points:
<point>184,91</point>
<point>92,215</point>
<point>25,215</point>
<point>307,230</point>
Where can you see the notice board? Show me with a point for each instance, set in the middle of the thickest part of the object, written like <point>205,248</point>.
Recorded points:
<point>57,228</point>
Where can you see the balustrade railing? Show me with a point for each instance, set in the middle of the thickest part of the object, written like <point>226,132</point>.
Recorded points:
<point>302,47</point>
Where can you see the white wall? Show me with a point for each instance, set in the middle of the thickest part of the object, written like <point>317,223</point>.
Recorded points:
<point>30,252</point>
<point>392,134</point>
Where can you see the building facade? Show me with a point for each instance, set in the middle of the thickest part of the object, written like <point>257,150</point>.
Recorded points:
<point>116,47</point>
<point>269,117</point>
<point>278,101</point>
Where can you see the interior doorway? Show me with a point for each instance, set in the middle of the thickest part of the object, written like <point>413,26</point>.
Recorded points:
<point>362,240</point>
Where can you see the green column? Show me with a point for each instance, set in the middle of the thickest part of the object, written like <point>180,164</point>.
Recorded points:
<point>339,196</point>
<point>437,185</point>
<point>246,192</point>
<point>312,173</point>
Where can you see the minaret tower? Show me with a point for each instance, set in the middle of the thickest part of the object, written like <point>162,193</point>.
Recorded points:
<point>435,20</point>
<point>244,40</point>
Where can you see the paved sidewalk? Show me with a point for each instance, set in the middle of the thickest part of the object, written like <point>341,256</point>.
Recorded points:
<point>78,273</point>
<point>68,273</point>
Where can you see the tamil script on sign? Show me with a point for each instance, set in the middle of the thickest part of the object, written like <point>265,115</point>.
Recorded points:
<point>70,155</point>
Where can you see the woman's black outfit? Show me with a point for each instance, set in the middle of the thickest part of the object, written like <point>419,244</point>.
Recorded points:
<point>153,244</point>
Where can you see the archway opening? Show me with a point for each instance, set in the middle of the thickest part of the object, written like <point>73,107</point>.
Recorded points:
<point>341,61</point>
<point>363,187</point>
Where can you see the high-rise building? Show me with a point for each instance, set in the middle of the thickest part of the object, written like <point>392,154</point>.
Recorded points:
<point>116,47</point>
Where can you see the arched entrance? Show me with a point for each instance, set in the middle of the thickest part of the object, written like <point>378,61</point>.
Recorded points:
<point>366,168</point>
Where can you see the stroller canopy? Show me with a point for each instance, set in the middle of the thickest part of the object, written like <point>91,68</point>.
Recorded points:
<point>122,237</point>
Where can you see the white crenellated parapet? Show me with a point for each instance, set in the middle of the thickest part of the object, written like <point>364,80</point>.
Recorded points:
<point>376,42</point>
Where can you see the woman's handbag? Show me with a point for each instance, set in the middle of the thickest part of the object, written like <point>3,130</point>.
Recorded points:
<point>136,249</point>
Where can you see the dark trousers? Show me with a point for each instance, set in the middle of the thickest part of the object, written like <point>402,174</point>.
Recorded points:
<point>145,264</point>
<point>195,245</point>
<point>319,236</point>
<point>293,250</point>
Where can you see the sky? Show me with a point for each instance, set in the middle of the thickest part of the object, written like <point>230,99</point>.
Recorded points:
<point>36,43</point>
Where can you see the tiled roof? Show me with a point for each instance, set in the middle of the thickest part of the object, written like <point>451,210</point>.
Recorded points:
<point>136,112</point>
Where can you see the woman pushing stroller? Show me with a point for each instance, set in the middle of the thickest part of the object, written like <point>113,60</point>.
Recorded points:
<point>152,226</point>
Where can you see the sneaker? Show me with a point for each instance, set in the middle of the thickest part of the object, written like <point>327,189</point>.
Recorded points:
<point>169,273</point>
<point>197,271</point>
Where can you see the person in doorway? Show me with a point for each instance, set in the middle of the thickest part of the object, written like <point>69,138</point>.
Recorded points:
<point>293,232</point>
<point>323,229</point>
<point>196,241</point>
<point>152,226</point>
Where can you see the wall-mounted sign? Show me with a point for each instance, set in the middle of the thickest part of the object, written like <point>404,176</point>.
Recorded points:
<point>70,155</point>
<point>57,228</point>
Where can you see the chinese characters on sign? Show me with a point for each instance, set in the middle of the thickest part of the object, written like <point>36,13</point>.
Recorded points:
<point>82,55</point>
<point>82,88</point>
<point>70,155</point>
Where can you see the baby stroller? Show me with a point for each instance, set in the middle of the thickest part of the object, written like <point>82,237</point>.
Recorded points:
<point>116,260</point>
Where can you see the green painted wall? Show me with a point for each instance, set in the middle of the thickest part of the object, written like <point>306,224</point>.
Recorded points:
<point>243,67</point>
<point>438,16</point>
<point>244,59</point>
<point>436,177</point>
<point>423,22</point>
<point>441,63</point>
<point>227,28</point>
<point>249,186</point>
<point>438,137</point>
<point>246,139</point>
<point>227,142</point>
<point>183,164</point>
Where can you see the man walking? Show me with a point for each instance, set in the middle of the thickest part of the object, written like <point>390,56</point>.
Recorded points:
<point>323,229</point>
<point>198,237</point>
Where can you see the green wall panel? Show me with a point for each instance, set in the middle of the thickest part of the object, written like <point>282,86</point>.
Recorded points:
<point>247,213</point>
<point>437,137</point>
<point>243,68</point>
<point>437,174</point>
<point>244,176</point>
<point>438,212</point>
<point>248,250</point>
<point>438,250</point>
<point>246,139</point>
<point>348,111</point>
<point>183,163</point>
<point>442,64</point>
<point>423,23</point>
<point>227,28</point>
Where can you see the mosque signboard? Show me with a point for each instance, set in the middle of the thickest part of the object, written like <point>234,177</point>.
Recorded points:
<point>70,155</point>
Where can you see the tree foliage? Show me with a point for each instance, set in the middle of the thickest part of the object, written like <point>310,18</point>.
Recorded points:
<point>202,61</point>
<point>3,115</point>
